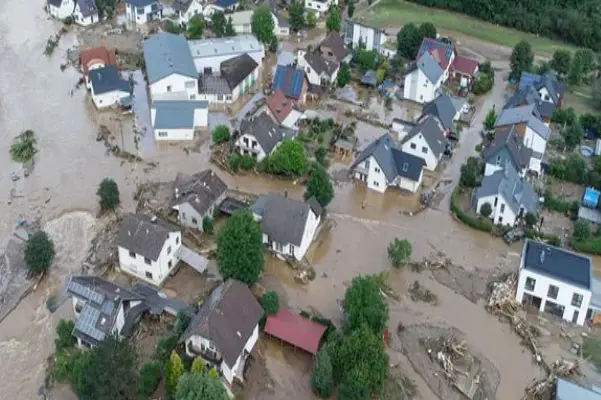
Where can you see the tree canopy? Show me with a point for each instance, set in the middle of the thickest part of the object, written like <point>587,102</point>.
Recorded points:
<point>200,387</point>
<point>490,120</point>
<point>196,27</point>
<point>240,248</point>
<point>334,19</point>
<point>229,27</point>
<point>39,252</point>
<point>561,61</point>
<point>409,38</point>
<point>399,252</point>
<point>351,8</point>
<point>322,378</point>
<point>173,372</point>
<point>218,23</point>
<point>521,59</point>
<point>364,304</point>
<point>486,210</point>
<point>296,13</point>
<point>262,24</point>
<point>270,302</point>
<point>221,134</point>
<point>344,75</point>
<point>470,173</point>
<point>427,30</point>
<point>108,191</point>
<point>366,59</point>
<point>319,185</point>
<point>288,159</point>
<point>311,19</point>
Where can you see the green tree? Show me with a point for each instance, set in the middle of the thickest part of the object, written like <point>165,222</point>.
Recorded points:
<point>39,252</point>
<point>351,8</point>
<point>150,376</point>
<point>64,338</point>
<point>363,304</point>
<point>561,61</point>
<point>247,162</point>
<point>486,210</point>
<point>213,373</point>
<point>221,134</point>
<point>196,27</point>
<point>319,185</point>
<point>173,372</point>
<point>288,159</point>
<point>596,94</point>
<point>311,19</point>
<point>200,387</point>
<point>108,191</point>
<point>270,302</point>
<point>572,136</point>
<point>366,59</point>
<point>585,61</point>
<point>296,14</point>
<point>321,156</point>
<point>198,366</point>
<point>427,30</point>
<point>333,20</point>
<point>207,224</point>
<point>531,219</point>
<point>24,147</point>
<point>234,161</point>
<point>172,27</point>
<point>399,252</point>
<point>491,120</point>
<point>229,28</point>
<point>470,173</point>
<point>240,248</point>
<point>262,24</point>
<point>106,8</point>
<point>409,39</point>
<point>521,59</point>
<point>218,23</point>
<point>344,75</point>
<point>322,378</point>
<point>582,230</point>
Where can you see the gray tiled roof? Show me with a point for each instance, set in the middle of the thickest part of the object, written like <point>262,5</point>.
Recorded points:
<point>320,64</point>
<point>237,69</point>
<point>211,84</point>
<point>433,133</point>
<point>555,88</point>
<point>181,5</point>
<point>508,137</point>
<point>176,114</point>
<point>200,190</point>
<point>524,114</point>
<point>267,132</point>
<point>144,235</point>
<point>107,79</point>
<point>428,65</point>
<point>219,47</point>
<point>528,96</point>
<point>507,183</point>
<point>87,7</point>
<point>442,108</point>
<point>165,54</point>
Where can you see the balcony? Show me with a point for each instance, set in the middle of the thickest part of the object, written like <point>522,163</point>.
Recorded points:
<point>211,356</point>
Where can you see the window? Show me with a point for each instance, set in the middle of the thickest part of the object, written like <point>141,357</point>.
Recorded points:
<point>496,201</point>
<point>190,84</point>
<point>530,284</point>
<point>194,221</point>
<point>132,254</point>
<point>254,144</point>
<point>148,275</point>
<point>278,246</point>
<point>425,150</point>
<point>169,250</point>
<point>503,207</point>
<point>169,264</point>
<point>413,146</point>
<point>220,97</point>
<point>228,97</point>
<point>500,220</point>
<point>552,292</point>
<point>377,170</point>
<point>78,306</point>
<point>162,134</point>
<point>291,250</point>
<point>140,10</point>
<point>245,141</point>
<point>168,88</point>
<point>177,240</point>
<point>376,184</point>
<point>577,300</point>
<point>192,97</point>
<point>575,317</point>
<point>147,260</point>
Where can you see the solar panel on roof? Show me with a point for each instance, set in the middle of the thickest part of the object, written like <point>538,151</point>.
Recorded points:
<point>86,323</point>
<point>86,292</point>
<point>107,307</point>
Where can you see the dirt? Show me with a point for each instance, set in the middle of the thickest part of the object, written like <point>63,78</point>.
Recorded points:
<point>190,286</point>
<point>149,331</point>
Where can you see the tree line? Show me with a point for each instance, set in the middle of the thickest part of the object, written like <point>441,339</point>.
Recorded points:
<point>573,21</point>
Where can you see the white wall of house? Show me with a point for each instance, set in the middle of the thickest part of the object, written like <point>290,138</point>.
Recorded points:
<point>535,165</point>
<point>194,9</point>
<point>369,171</point>
<point>366,35</point>
<point>408,184</point>
<point>491,168</point>
<point>108,99</point>
<point>418,147</point>
<point>312,76</point>
<point>388,52</point>
<point>65,10</point>
<point>119,320</point>
<point>198,342</point>
<point>289,249</point>
<point>201,117</point>
<point>174,84</point>
<point>501,212</point>
<point>544,95</point>
<point>142,15</point>
<point>152,271</point>
<point>534,141</point>
<point>84,21</point>
<point>189,217</point>
<point>564,295</point>
<point>248,144</point>
<point>234,371</point>
<point>278,30</point>
<point>320,6</point>
<point>418,87</point>
<point>291,121</point>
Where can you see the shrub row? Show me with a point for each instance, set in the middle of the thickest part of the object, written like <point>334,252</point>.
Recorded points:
<point>482,224</point>
<point>591,245</point>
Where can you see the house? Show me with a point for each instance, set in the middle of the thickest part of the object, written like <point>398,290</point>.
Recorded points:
<point>226,6</point>
<point>225,329</point>
<point>148,247</point>
<point>442,52</point>
<point>507,146</point>
<point>358,32</point>
<point>288,225</point>
<point>97,57</point>
<point>320,7</point>
<point>241,20</point>
<point>143,11</point>
<point>445,110</point>
<point>566,390</point>
<point>382,165</point>
<point>292,82</point>
<point>185,10</point>
<point>280,109</point>
<point>107,87</point>
<point>236,76</point>
<point>260,136</point>
<point>208,54</point>
<point>426,140</point>
<point>555,280</point>
<point>320,71</point>
<point>370,78</point>
<point>508,194</point>
<point>547,85</point>
<point>177,120</point>
<point>529,96</point>
<point>84,12</point>
<point>423,79</point>
<point>332,48</point>
<point>197,196</point>
<point>281,27</point>
<point>169,66</point>
<point>464,70</point>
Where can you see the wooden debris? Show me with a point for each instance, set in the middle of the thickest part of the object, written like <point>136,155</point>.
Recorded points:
<point>543,388</point>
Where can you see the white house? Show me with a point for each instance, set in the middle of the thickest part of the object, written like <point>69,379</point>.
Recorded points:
<point>358,32</point>
<point>196,197</point>
<point>177,120</point>
<point>148,247</point>
<point>548,86</point>
<point>94,58</point>
<point>208,54</point>
<point>426,140</point>
<point>555,280</point>
<point>281,110</point>
<point>234,78</point>
<point>319,70</point>
<point>185,10</point>
<point>321,7</point>
<point>423,79</point>
<point>382,165</point>
<point>169,66</point>
<point>241,20</point>
<point>107,87</point>
<point>225,329</point>
<point>506,147</point>
<point>84,12</point>
<point>260,136</point>
<point>288,225</point>
<point>143,11</point>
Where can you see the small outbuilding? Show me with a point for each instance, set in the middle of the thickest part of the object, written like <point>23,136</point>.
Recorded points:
<point>292,328</point>
<point>370,78</point>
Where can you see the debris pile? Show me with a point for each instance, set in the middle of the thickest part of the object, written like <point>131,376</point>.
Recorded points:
<point>447,351</point>
<point>438,261</point>
<point>419,293</point>
<point>543,388</point>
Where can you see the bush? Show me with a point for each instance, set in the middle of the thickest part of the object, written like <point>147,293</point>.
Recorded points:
<point>221,134</point>
<point>207,225</point>
<point>572,169</point>
<point>482,224</point>
<point>39,252</point>
<point>582,230</point>
<point>320,156</point>
<point>591,350</point>
<point>165,346</point>
<point>63,365</point>
<point>322,378</point>
<point>399,252</point>
<point>486,210</point>
<point>234,161</point>
<point>24,147</point>
<point>247,162</point>
<point>471,172</point>
<point>289,159</point>
<point>553,240</point>
<point>591,245</point>
<point>64,339</point>
<point>559,205</point>
<point>108,191</point>
<point>270,302</point>
<point>485,80</point>
<point>531,219</point>
<point>150,376</point>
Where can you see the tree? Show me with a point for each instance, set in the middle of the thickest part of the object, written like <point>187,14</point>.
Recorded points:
<point>366,59</point>
<point>106,8</point>
<point>262,24</point>
<point>218,23</point>
<point>196,27</point>
<point>207,224</point>
<point>583,63</point>
<point>213,373</point>
<point>470,173</point>
<point>288,159</point>
<point>39,252</point>
<point>521,59</point>
<point>344,75</point>
<point>23,147</point>
<point>363,304</point>
<point>409,39</point>
<point>108,191</point>
<point>582,230</point>
<point>350,8</point>
<point>172,27</point>
<point>490,120</point>
<point>530,219</point>
<point>561,61</point>
<point>333,20</point>
<point>240,248</point>
<point>198,366</point>
<point>322,378</point>
<point>221,134</point>
<point>572,136</point>
<point>107,372</point>
<point>427,30</point>
<point>150,376</point>
<point>399,252</point>
<point>575,74</point>
<point>270,302</point>
<point>173,372</point>
<point>596,93</point>
<point>319,185</point>
<point>200,387</point>
<point>229,28</point>
<point>64,338</point>
<point>486,210</point>
<point>297,16</point>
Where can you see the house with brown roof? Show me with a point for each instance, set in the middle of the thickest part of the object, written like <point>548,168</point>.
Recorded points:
<point>332,48</point>
<point>94,58</point>
<point>225,329</point>
<point>281,110</point>
<point>464,70</point>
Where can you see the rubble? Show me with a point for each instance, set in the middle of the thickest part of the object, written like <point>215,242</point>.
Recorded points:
<point>419,293</point>
<point>543,388</point>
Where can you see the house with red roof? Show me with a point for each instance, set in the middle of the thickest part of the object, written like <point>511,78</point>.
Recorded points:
<point>464,70</point>
<point>281,110</point>
<point>97,57</point>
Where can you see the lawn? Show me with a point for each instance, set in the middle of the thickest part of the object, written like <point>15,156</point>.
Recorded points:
<point>579,98</point>
<point>398,12</point>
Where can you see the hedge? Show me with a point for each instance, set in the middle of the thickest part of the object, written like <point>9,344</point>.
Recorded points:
<point>591,245</point>
<point>482,224</point>
<point>553,240</point>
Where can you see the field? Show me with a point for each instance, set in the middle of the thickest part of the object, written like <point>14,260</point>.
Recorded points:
<point>394,13</point>
<point>579,98</point>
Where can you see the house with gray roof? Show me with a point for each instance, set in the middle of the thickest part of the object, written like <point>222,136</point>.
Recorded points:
<point>548,86</point>
<point>184,10</point>
<point>259,136</point>
<point>235,77</point>
<point>83,12</point>
<point>557,281</point>
<point>107,87</point>
<point>445,109</point>
<point>426,140</point>
<point>381,165</point>
<point>208,54</point>
<point>178,119</point>
<point>529,96</point>
<point>506,146</point>
<point>320,71</point>
<point>288,225</point>
<point>423,79</point>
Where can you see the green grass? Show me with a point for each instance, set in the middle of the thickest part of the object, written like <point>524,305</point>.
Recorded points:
<point>398,12</point>
<point>579,98</point>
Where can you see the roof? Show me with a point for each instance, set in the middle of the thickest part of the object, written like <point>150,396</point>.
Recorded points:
<point>558,263</point>
<point>567,390</point>
<point>157,302</point>
<point>144,235</point>
<point>507,137</point>
<point>217,47</point>
<point>165,54</point>
<point>200,190</point>
<point>212,84</point>
<point>370,78</point>
<point>407,165</point>
<point>228,318</point>
<point>107,79</point>
<point>289,80</point>
<point>55,3</point>
<point>466,66</point>
<point>87,7</point>
<point>548,80</point>
<point>529,96</point>
<point>237,69</point>
<point>141,3</point>
<point>176,114</point>
<point>226,3</point>
<point>428,65</point>
<point>241,17</point>
<point>335,42</point>
<point>181,5</point>
<point>267,132</point>
<point>441,51</point>
<point>432,131</point>
<point>96,55</point>
<point>282,219</point>
<point>442,108</point>
<point>320,64</point>
<point>295,329</point>
<point>527,114</point>
<point>279,105</point>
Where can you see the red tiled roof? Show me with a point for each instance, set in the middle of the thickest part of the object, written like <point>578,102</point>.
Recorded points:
<point>295,329</point>
<point>464,65</point>
<point>440,57</point>
<point>96,55</point>
<point>279,105</point>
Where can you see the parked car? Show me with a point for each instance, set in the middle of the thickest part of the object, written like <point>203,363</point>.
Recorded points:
<point>514,235</point>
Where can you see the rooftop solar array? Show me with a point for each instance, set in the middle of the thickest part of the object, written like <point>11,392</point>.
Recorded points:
<point>107,307</point>
<point>86,323</point>
<point>85,292</point>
